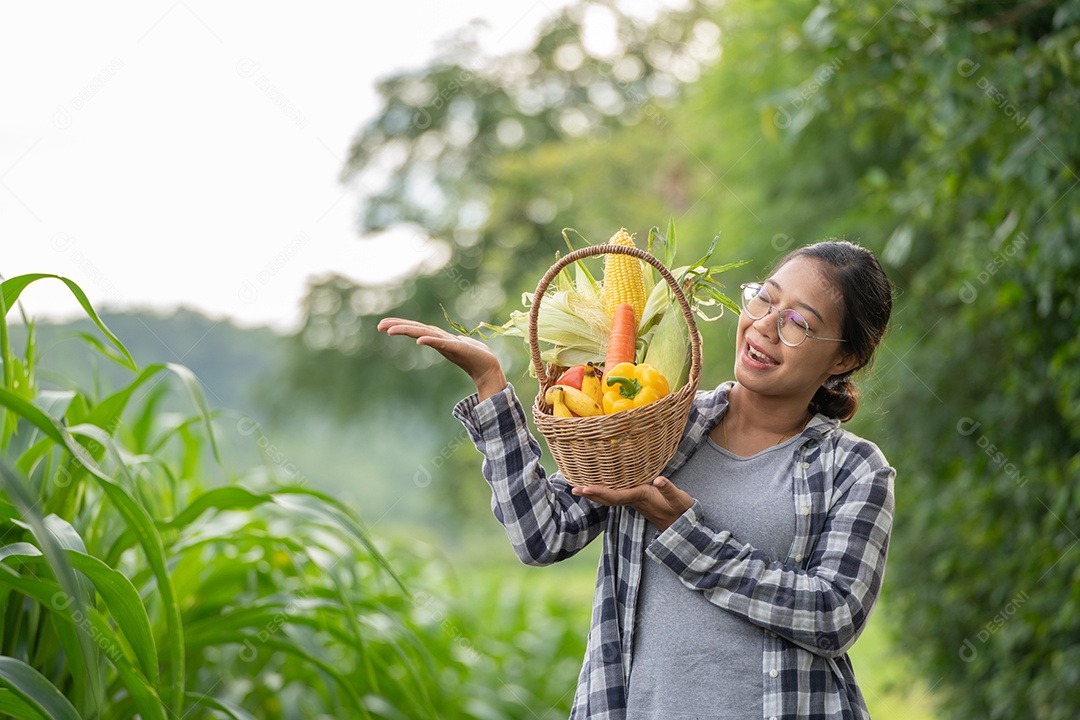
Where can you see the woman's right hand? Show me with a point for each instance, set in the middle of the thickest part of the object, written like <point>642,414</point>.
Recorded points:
<point>472,356</point>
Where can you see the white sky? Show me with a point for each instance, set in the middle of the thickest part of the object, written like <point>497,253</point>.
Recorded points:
<point>184,152</point>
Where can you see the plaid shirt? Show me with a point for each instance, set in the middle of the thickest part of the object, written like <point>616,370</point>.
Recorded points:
<point>812,604</point>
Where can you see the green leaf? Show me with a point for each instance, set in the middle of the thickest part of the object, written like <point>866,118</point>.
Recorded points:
<point>332,508</point>
<point>11,289</point>
<point>13,705</point>
<point>53,598</point>
<point>290,648</point>
<point>126,607</point>
<point>32,688</point>
<point>139,522</point>
<point>230,497</point>
<point>106,414</point>
<point>236,713</point>
<point>53,538</point>
<point>19,549</point>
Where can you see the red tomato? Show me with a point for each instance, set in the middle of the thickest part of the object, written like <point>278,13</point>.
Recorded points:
<point>572,377</point>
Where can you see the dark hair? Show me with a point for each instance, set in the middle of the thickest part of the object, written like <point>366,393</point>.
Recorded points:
<point>865,295</point>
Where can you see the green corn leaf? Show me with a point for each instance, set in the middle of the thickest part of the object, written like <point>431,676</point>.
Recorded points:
<point>107,413</point>
<point>138,521</point>
<point>234,712</point>
<point>288,647</point>
<point>95,342</point>
<point>52,597</point>
<point>19,549</point>
<point>145,420</point>
<point>7,510</point>
<point>87,680</point>
<point>7,418</point>
<point>36,416</point>
<point>230,497</point>
<point>704,259</point>
<point>61,535</point>
<point>584,275</point>
<point>35,690</point>
<point>52,539</point>
<point>13,705</point>
<point>330,507</point>
<point>33,454</point>
<point>11,289</point>
<point>126,607</point>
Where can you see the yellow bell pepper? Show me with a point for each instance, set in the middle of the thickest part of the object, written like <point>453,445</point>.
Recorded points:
<point>627,386</point>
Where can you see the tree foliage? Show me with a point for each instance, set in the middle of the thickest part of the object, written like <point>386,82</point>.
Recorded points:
<point>982,227</point>
<point>936,133</point>
<point>477,164</point>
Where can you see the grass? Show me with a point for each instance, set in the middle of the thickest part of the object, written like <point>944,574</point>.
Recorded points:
<point>888,680</point>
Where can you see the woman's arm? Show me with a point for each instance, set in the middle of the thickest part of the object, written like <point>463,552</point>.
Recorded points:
<point>822,605</point>
<point>544,521</point>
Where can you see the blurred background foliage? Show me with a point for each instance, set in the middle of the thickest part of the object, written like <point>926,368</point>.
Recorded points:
<point>936,133</point>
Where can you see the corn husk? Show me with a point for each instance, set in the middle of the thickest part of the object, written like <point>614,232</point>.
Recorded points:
<point>669,347</point>
<point>573,325</point>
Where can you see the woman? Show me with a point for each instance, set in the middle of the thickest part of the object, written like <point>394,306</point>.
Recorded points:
<point>733,585</point>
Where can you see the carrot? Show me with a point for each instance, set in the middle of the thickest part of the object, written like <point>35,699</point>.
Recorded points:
<point>623,339</point>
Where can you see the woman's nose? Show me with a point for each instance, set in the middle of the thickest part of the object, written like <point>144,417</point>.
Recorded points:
<point>766,325</point>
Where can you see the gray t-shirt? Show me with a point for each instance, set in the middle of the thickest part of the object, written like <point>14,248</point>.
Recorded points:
<point>692,659</point>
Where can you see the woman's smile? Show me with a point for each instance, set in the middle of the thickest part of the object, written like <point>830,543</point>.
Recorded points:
<point>755,357</point>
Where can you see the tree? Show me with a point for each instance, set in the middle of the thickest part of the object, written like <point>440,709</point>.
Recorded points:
<point>980,376</point>
<point>480,163</point>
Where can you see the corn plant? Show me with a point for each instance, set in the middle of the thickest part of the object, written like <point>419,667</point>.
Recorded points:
<point>131,586</point>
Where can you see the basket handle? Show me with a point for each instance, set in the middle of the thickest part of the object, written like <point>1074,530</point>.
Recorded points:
<point>554,270</point>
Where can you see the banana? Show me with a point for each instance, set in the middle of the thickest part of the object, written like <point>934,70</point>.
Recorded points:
<point>591,385</point>
<point>579,403</point>
<point>554,398</point>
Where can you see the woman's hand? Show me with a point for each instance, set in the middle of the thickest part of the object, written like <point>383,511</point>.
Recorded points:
<point>661,502</point>
<point>472,356</point>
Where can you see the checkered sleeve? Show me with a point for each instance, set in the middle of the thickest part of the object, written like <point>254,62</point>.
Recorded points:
<point>822,602</point>
<point>545,522</point>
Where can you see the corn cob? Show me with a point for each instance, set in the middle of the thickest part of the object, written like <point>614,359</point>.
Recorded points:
<point>624,279</point>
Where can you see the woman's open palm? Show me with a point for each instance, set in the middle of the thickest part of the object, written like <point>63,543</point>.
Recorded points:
<point>469,354</point>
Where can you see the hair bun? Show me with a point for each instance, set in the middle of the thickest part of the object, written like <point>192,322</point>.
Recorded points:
<point>836,398</point>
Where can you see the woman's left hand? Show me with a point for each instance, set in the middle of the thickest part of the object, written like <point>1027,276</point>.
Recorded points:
<point>660,502</point>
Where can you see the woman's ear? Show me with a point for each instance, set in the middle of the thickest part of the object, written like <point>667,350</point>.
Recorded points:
<point>846,362</point>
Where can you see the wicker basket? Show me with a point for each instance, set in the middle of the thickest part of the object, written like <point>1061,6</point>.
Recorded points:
<point>628,448</point>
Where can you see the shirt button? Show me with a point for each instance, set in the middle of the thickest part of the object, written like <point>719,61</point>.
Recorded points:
<point>773,718</point>
<point>805,465</point>
<point>798,558</point>
<point>773,673</point>
<point>806,510</point>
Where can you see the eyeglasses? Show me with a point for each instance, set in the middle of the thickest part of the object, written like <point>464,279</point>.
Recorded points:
<point>790,324</point>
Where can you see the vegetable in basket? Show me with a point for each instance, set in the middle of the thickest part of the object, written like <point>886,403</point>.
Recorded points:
<point>628,386</point>
<point>585,378</point>
<point>577,316</point>
<point>622,340</point>
<point>624,279</point>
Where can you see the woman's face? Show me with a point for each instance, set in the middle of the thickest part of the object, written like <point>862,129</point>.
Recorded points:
<point>767,366</point>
